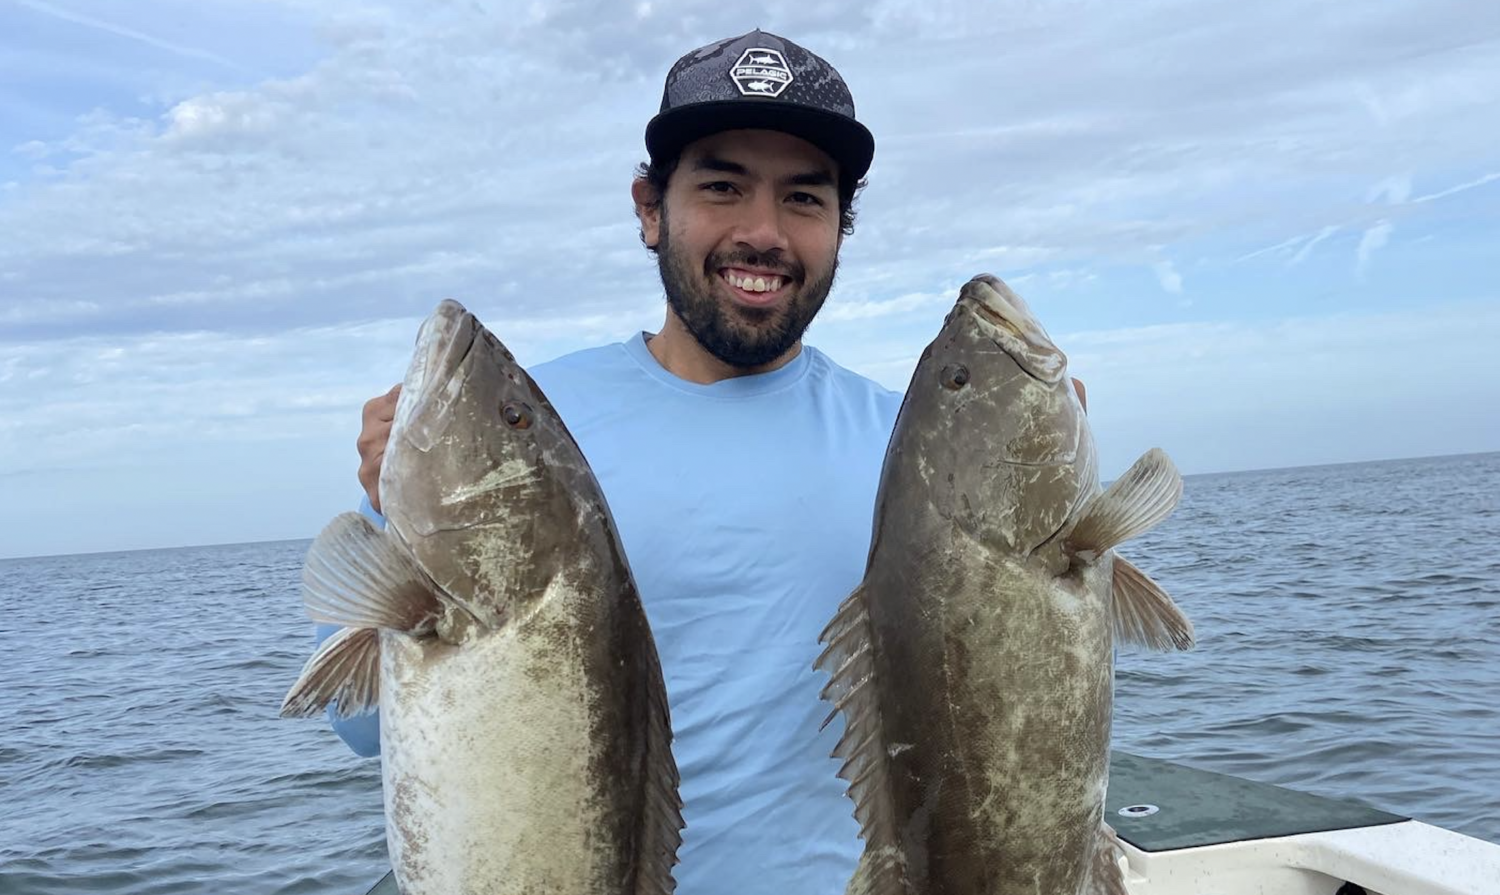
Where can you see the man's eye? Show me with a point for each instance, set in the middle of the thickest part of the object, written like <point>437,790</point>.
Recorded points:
<point>805,199</point>
<point>719,186</point>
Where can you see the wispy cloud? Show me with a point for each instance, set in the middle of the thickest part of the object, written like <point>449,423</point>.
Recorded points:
<point>1392,190</point>
<point>1277,249</point>
<point>1460,188</point>
<point>1056,280</point>
<point>901,304</point>
<point>1307,247</point>
<point>87,21</point>
<point>1168,276</point>
<point>1373,241</point>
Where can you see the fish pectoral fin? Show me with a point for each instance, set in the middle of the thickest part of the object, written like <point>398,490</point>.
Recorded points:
<point>848,657</point>
<point>1143,613</point>
<point>361,577</point>
<point>1135,503</point>
<point>345,669</point>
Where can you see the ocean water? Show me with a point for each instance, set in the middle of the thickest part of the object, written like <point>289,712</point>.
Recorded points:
<point>1348,622</point>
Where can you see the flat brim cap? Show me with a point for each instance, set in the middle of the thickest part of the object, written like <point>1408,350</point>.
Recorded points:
<point>759,80</point>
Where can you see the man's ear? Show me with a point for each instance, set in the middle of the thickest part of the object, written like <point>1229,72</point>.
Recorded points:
<point>647,211</point>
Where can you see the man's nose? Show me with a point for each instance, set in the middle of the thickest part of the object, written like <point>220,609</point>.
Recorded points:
<point>760,224</point>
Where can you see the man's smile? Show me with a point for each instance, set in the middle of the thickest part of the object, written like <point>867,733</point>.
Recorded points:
<point>756,288</point>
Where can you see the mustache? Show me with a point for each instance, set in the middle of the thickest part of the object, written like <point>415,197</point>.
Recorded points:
<point>771,261</point>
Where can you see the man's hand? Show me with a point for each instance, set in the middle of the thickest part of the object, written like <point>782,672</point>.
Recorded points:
<point>373,435</point>
<point>1083,395</point>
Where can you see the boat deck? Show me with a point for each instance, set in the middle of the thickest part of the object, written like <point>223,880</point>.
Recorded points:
<point>1197,808</point>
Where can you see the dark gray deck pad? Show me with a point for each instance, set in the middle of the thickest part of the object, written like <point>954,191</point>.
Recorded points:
<point>1204,808</point>
<point>386,886</point>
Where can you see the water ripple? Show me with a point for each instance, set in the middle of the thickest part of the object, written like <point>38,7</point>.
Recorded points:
<point>1349,645</point>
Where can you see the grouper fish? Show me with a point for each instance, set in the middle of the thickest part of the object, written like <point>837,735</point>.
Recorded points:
<point>524,727</point>
<point>973,665</point>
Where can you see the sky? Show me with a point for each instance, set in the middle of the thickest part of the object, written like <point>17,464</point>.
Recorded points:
<point>1264,233</point>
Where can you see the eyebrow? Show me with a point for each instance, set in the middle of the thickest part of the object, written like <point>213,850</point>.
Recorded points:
<point>817,177</point>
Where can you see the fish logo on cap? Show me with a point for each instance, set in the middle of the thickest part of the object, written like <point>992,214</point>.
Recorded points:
<point>761,72</point>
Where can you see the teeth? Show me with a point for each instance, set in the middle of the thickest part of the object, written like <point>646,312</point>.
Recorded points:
<point>755,284</point>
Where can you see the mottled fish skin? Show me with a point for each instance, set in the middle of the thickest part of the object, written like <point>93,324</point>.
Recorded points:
<point>974,663</point>
<point>525,738</point>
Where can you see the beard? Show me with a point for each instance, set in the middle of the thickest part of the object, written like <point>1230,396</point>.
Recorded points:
<point>738,336</point>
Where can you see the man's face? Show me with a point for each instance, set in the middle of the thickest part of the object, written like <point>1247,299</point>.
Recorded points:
<point>747,240</point>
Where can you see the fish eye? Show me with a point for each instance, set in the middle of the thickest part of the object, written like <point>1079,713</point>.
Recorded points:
<point>517,415</point>
<point>955,376</point>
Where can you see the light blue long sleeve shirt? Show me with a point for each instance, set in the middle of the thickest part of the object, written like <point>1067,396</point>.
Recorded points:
<point>745,508</point>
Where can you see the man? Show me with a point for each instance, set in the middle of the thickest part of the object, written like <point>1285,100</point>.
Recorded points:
<point>739,464</point>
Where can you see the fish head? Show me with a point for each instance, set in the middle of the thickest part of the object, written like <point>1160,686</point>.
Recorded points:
<point>1002,317</point>
<point>996,412</point>
<point>481,480</point>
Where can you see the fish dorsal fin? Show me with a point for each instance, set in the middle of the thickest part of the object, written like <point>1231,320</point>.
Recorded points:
<point>661,824</point>
<point>1106,876</point>
<point>346,669</point>
<point>1142,497</point>
<point>1143,613</point>
<point>359,576</point>
<point>848,658</point>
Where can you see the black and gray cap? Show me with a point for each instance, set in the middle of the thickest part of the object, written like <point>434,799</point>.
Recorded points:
<point>759,80</point>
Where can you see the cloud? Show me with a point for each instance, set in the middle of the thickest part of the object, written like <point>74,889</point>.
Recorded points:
<point>1224,395</point>
<point>1168,276</point>
<point>1056,280</point>
<point>35,150</point>
<point>1460,188</point>
<point>221,115</point>
<point>1307,247</point>
<point>1306,389</point>
<point>1373,241</point>
<point>222,221</point>
<point>52,9</point>
<point>1393,190</point>
<point>92,400</point>
<point>460,131</point>
<point>856,309</point>
<point>1280,248</point>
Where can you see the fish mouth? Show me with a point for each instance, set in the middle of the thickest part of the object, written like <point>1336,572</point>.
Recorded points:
<point>1009,323</point>
<point>443,343</point>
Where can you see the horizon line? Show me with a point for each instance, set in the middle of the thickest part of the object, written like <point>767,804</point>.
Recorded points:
<point>1222,472</point>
